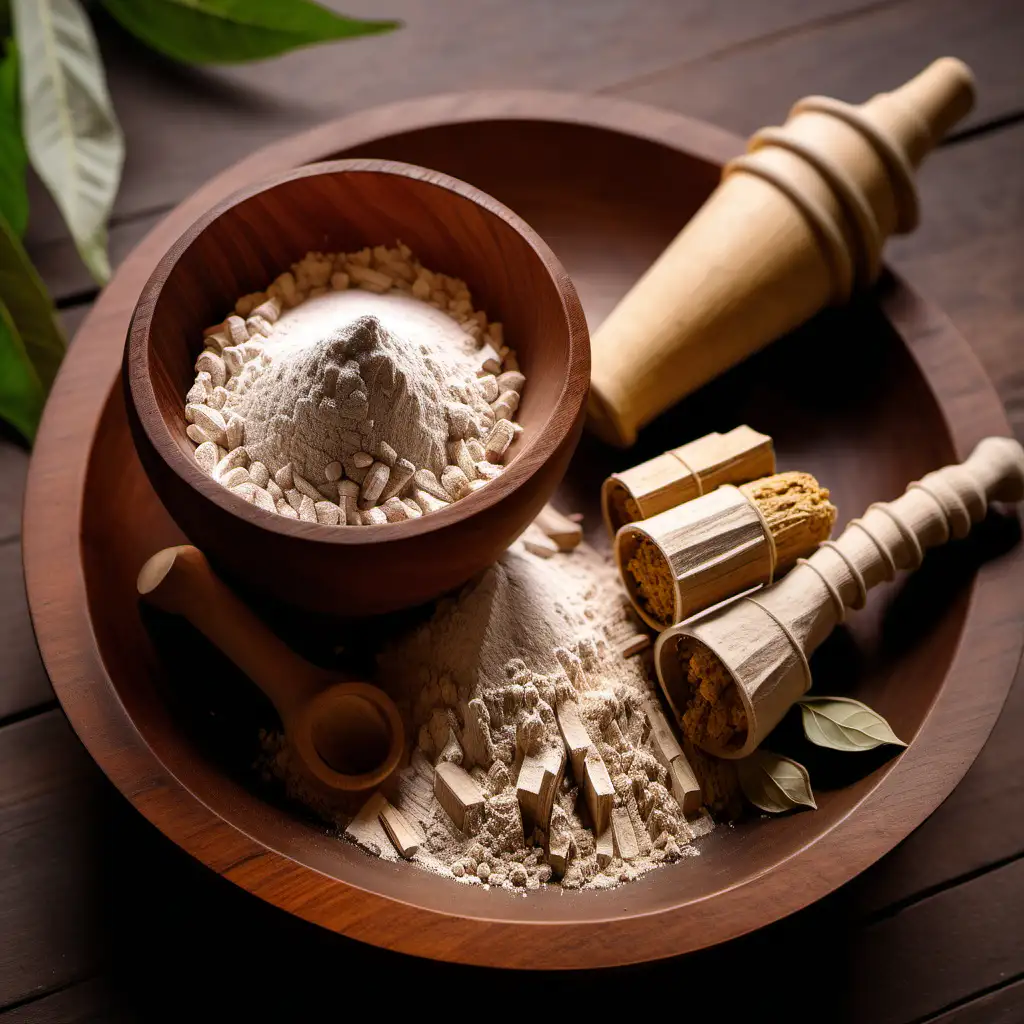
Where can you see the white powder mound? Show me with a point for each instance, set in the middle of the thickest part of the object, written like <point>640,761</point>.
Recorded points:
<point>329,391</point>
<point>359,389</point>
<point>509,612</point>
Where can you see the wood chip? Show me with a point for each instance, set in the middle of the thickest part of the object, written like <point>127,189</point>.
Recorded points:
<point>559,849</point>
<point>537,542</point>
<point>634,645</point>
<point>684,785</point>
<point>366,830</point>
<point>625,838</point>
<point>598,791</point>
<point>538,781</point>
<point>457,792</point>
<point>399,831</point>
<point>588,767</point>
<point>574,734</point>
<point>664,744</point>
<point>562,530</point>
<point>642,839</point>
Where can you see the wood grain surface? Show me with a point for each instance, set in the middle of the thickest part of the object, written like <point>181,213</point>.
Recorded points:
<point>107,671</point>
<point>744,62</point>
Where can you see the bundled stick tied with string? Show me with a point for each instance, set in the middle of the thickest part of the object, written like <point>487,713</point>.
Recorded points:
<point>689,558</point>
<point>684,473</point>
<point>732,675</point>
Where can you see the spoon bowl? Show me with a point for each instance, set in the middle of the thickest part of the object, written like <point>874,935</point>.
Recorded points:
<point>349,736</point>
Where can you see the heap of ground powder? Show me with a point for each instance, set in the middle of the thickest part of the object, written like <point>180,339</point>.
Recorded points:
<point>360,389</point>
<point>478,684</point>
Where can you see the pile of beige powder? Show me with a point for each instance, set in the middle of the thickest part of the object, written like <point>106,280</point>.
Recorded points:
<point>359,389</point>
<point>536,667</point>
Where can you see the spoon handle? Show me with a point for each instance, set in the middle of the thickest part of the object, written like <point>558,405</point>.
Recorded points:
<point>179,580</point>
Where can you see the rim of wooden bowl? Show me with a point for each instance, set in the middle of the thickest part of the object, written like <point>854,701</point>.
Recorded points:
<point>958,723</point>
<point>539,444</point>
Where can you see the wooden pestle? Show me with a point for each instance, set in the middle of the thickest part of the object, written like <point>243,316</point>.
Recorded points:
<point>348,736</point>
<point>797,223</point>
<point>761,643</point>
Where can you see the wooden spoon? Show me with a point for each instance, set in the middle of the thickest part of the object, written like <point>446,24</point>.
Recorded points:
<point>347,736</point>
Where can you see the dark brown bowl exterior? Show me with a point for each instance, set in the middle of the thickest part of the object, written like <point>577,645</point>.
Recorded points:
<point>239,246</point>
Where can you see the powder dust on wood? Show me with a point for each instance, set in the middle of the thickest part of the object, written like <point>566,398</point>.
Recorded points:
<point>487,687</point>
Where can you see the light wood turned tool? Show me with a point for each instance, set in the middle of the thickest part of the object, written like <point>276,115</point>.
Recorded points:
<point>797,223</point>
<point>685,473</point>
<point>347,736</point>
<point>763,640</point>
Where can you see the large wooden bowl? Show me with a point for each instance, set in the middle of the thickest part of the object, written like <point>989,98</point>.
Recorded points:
<point>242,244</point>
<point>607,184</point>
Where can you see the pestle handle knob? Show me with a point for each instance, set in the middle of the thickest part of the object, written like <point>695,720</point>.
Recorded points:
<point>994,471</point>
<point>179,580</point>
<point>997,466</point>
<point>936,99</point>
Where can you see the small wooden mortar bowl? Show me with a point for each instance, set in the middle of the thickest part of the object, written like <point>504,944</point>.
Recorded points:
<point>245,241</point>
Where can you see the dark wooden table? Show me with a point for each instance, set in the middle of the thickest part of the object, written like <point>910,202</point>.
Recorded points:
<point>102,919</point>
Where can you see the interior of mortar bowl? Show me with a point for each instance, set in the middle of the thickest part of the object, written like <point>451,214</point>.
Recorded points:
<point>240,246</point>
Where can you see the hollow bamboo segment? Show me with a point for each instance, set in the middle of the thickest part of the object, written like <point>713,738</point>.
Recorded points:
<point>691,557</point>
<point>761,643</point>
<point>685,473</point>
<point>797,223</point>
<point>694,555</point>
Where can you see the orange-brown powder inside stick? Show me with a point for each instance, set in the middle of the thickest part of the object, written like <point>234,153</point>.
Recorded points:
<point>622,507</point>
<point>714,711</point>
<point>652,577</point>
<point>798,513</point>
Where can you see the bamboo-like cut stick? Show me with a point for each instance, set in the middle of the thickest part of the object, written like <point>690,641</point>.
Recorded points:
<point>732,675</point>
<point>689,558</point>
<point>685,473</point>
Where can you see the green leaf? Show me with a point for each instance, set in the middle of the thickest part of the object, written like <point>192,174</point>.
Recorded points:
<point>26,300</point>
<point>21,393</point>
<point>13,159</point>
<point>774,783</point>
<point>844,724</point>
<point>68,122</point>
<point>232,31</point>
